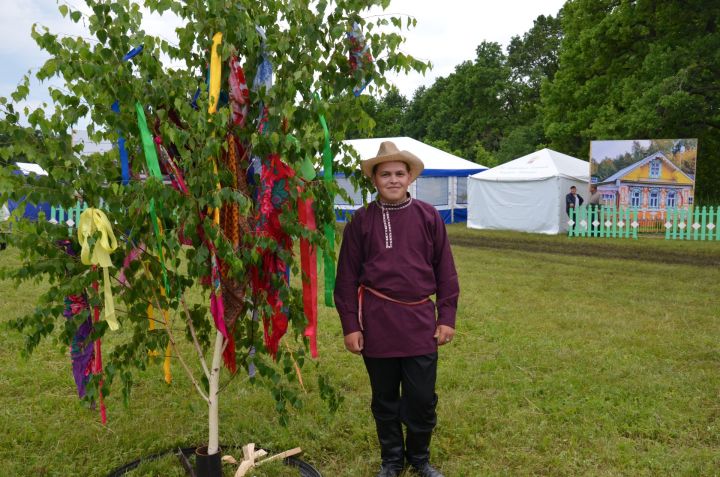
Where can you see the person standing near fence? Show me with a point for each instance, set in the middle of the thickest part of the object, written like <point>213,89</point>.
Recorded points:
<point>594,203</point>
<point>4,216</point>
<point>573,200</point>
<point>395,254</point>
<point>594,199</point>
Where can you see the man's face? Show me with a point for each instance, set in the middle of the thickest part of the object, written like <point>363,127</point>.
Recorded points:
<point>391,179</point>
<point>573,190</point>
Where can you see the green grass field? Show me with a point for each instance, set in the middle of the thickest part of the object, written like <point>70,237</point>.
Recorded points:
<point>574,357</point>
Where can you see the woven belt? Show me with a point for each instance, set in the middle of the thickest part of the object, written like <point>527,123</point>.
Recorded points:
<point>361,293</point>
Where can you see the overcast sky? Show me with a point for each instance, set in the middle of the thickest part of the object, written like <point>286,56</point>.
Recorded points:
<point>447,33</point>
<point>600,150</point>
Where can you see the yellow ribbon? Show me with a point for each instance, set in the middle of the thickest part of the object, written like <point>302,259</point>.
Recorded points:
<point>215,73</point>
<point>214,92</point>
<point>92,221</point>
<point>168,350</point>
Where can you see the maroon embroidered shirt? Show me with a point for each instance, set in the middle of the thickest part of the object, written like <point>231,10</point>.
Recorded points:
<point>401,251</point>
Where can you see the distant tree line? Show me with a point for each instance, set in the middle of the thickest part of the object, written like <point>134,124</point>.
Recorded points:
<point>600,69</point>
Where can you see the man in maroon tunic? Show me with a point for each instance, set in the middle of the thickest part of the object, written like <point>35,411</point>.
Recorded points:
<point>395,254</point>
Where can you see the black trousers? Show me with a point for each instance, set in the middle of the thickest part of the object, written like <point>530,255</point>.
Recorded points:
<point>403,390</point>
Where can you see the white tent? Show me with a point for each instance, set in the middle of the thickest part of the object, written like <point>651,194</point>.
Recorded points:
<point>526,194</point>
<point>81,136</point>
<point>443,182</point>
<point>27,168</point>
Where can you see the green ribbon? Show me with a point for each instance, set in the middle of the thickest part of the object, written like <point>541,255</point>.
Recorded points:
<point>307,169</point>
<point>148,144</point>
<point>329,228</point>
<point>154,167</point>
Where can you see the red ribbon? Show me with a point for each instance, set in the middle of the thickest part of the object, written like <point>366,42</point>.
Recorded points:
<point>274,197</point>
<point>97,366</point>
<point>308,265</point>
<point>239,92</point>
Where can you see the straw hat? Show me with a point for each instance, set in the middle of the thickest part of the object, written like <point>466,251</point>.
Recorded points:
<point>389,152</point>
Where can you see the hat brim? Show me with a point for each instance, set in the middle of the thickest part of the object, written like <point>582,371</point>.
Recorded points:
<point>414,163</point>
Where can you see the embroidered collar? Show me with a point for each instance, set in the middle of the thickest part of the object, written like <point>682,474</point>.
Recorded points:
<point>398,206</point>
<point>385,212</point>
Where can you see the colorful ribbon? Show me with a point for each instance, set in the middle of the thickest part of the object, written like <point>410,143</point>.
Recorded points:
<point>168,350</point>
<point>274,197</point>
<point>171,167</point>
<point>239,93</point>
<point>263,78</point>
<point>133,53</point>
<point>264,74</point>
<point>217,305</point>
<point>328,228</point>
<point>360,57</point>
<point>91,221</point>
<point>82,350</point>
<point>148,144</point>
<point>215,73</point>
<point>153,165</point>
<point>308,264</point>
<point>124,161</point>
<point>97,366</point>
<point>233,225</point>
<point>308,252</point>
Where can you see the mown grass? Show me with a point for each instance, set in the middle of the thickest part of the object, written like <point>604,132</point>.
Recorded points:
<point>600,361</point>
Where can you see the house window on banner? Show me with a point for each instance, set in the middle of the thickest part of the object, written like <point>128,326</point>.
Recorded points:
<point>655,168</point>
<point>671,201</point>
<point>654,199</point>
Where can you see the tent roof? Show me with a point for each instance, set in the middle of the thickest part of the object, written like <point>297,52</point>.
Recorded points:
<point>78,137</point>
<point>538,165</point>
<point>27,168</point>
<point>437,162</point>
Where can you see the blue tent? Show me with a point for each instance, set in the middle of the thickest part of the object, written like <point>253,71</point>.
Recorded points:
<point>31,210</point>
<point>443,183</point>
<point>79,137</point>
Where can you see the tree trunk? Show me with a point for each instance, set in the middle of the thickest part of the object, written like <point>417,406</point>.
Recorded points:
<point>213,396</point>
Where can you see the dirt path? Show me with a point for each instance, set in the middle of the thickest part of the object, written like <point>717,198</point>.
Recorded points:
<point>591,248</point>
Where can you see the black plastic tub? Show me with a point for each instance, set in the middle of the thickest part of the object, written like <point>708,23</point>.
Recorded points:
<point>303,468</point>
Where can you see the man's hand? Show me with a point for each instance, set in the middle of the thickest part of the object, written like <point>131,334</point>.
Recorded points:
<point>354,342</point>
<point>443,334</point>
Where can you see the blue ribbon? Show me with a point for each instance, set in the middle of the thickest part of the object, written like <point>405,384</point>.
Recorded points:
<point>124,161</point>
<point>133,53</point>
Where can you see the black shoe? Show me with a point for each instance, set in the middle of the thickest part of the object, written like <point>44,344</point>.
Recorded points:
<point>426,470</point>
<point>389,470</point>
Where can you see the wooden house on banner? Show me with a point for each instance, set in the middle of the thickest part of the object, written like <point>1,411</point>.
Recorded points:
<point>651,185</point>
